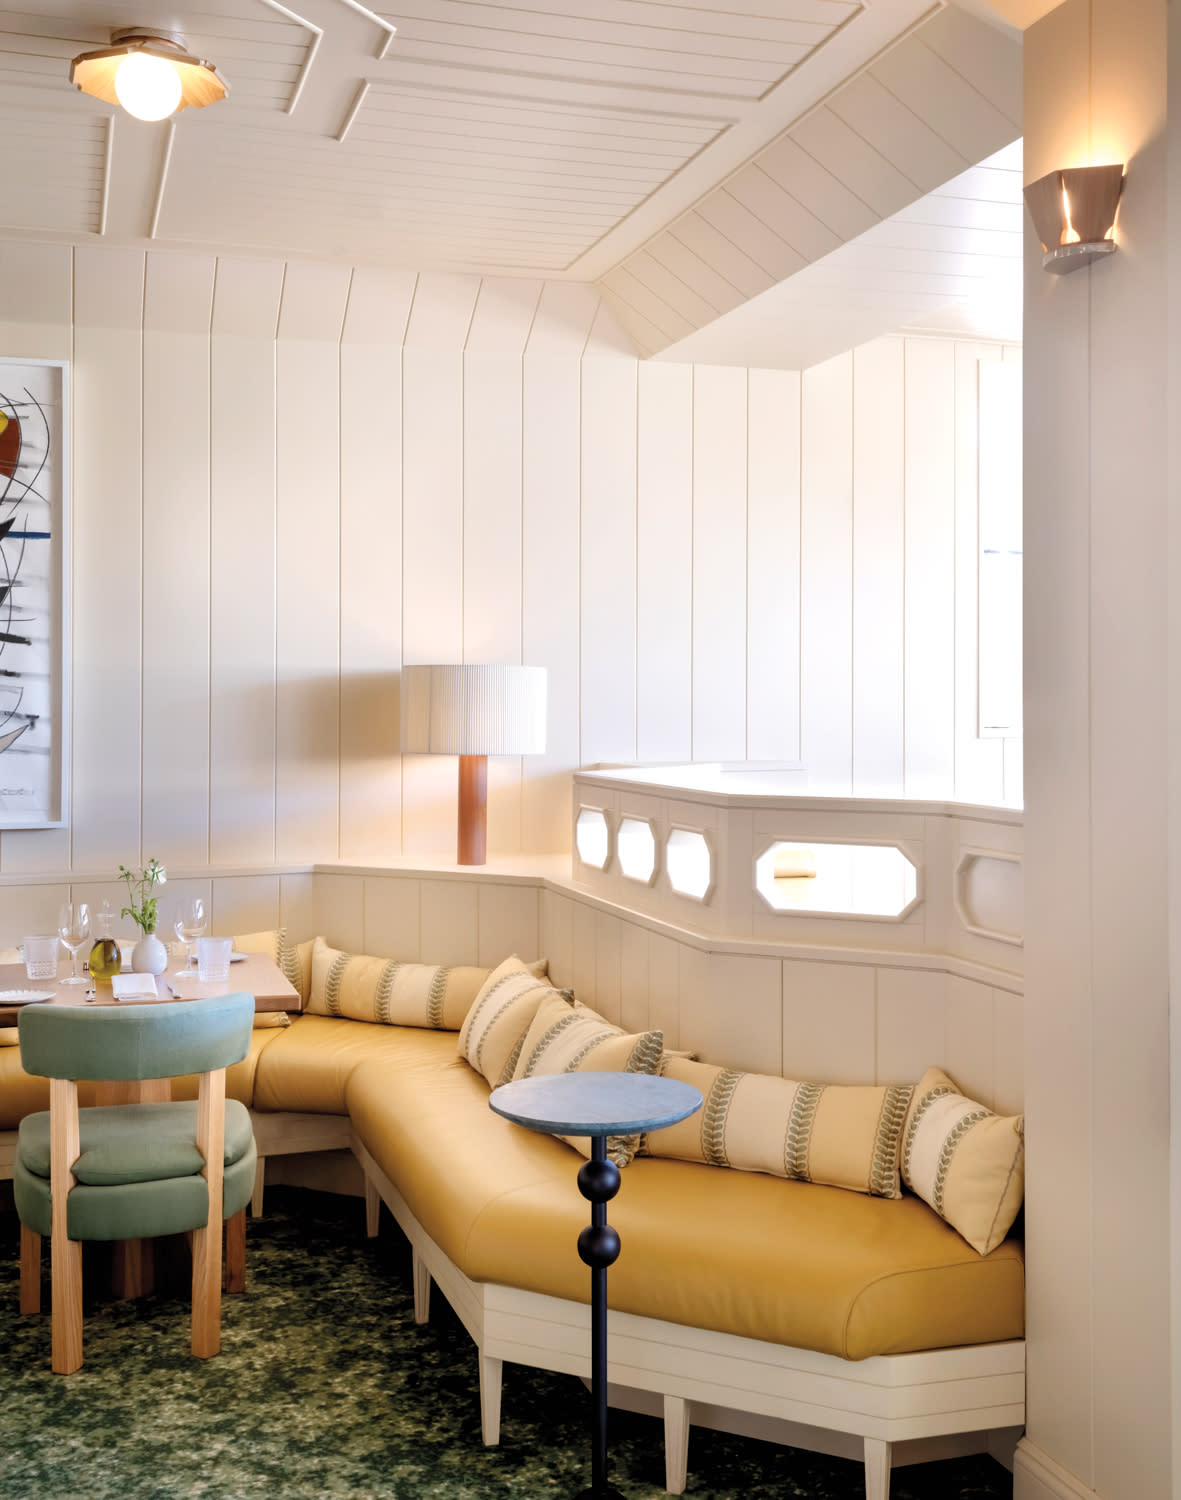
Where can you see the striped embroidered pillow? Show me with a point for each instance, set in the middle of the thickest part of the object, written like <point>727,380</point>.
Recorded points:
<point>275,946</point>
<point>965,1161</point>
<point>494,1028</point>
<point>841,1135</point>
<point>565,1038</point>
<point>389,992</point>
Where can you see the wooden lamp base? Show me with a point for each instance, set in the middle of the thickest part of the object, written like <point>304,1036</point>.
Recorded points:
<point>473,810</point>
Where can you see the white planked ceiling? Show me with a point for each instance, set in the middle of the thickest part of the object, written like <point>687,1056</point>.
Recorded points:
<point>686,154</point>
<point>951,263</point>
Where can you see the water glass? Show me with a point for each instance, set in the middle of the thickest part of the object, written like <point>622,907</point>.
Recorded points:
<point>73,927</point>
<point>213,959</point>
<point>41,957</point>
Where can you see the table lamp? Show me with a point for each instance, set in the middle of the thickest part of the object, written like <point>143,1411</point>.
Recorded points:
<point>473,712</point>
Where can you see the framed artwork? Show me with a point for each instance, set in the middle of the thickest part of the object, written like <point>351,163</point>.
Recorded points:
<point>34,562</point>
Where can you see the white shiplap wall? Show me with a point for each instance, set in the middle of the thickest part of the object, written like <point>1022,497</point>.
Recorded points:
<point>289,478</point>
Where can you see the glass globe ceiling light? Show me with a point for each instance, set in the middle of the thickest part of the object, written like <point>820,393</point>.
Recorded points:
<point>149,73</point>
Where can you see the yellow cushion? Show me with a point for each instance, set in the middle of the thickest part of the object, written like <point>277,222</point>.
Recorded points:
<point>494,1028</point>
<point>965,1161</point>
<point>22,1094</point>
<point>573,1039</point>
<point>389,992</point>
<point>308,1065</point>
<point>740,1252</point>
<point>842,1136</point>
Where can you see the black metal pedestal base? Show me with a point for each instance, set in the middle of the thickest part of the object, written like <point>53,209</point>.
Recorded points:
<point>598,1245</point>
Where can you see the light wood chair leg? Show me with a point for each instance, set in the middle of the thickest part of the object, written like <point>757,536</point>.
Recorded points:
<point>422,1288</point>
<point>877,1469</point>
<point>206,1339</point>
<point>30,1271</point>
<point>234,1279</point>
<point>372,1209</point>
<point>676,1444</point>
<point>260,1182</point>
<point>65,1254</point>
<point>490,1383</point>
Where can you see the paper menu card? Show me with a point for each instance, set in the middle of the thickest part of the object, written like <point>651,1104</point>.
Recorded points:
<point>133,986</point>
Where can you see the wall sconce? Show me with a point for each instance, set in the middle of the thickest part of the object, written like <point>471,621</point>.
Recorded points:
<point>1073,212</point>
<point>473,712</point>
<point>149,73</point>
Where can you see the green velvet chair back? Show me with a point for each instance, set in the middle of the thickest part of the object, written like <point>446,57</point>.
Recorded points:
<point>142,1041</point>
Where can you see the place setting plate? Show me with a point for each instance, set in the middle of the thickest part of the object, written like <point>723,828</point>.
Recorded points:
<point>24,997</point>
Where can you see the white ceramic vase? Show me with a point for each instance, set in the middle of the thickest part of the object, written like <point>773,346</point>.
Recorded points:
<point>149,956</point>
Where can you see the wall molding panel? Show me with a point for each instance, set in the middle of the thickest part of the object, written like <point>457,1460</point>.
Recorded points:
<point>290,478</point>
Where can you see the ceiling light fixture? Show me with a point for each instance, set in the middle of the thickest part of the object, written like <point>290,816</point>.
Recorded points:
<point>149,73</point>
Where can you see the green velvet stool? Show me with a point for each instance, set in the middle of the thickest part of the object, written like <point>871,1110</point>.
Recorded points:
<point>131,1171</point>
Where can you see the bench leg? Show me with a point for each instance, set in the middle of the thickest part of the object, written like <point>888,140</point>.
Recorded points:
<point>422,1288</point>
<point>260,1178</point>
<point>372,1209</point>
<point>877,1469</point>
<point>676,1444</point>
<point>30,1271</point>
<point>490,1373</point>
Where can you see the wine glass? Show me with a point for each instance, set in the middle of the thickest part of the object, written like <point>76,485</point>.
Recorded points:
<point>73,927</point>
<point>189,924</point>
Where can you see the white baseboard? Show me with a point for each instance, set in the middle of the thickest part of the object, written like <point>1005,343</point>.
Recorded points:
<point>1036,1476</point>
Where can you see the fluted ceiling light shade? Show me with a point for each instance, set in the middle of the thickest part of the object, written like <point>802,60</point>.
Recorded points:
<point>149,73</point>
<point>473,712</point>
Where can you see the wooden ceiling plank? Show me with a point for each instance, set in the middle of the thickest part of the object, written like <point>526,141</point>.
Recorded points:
<point>988,59</point>
<point>524,151</point>
<point>758,240</point>
<point>852,160</point>
<point>715,249</point>
<point>790,220</point>
<point>812,185</point>
<point>670,288</point>
<point>903,234</point>
<point>545,113</point>
<point>939,96</point>
<point>627,294</point>
<point>618,17</point>
<point>706,280</point>
<point>897,132</point>
<point>987,184</point>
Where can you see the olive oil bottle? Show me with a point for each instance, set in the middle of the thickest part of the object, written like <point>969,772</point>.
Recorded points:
<point>104,958</point>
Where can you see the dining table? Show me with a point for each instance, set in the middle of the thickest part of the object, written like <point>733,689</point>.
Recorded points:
<point>133,1263</point>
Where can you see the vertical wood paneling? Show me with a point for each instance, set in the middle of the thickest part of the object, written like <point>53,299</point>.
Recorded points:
<point>108,588</point>
<point>979,763</point>
<point>242,553</point>
<point>550,588</point>
<point>557,936</point>
<point>773,566</point>
<point>719,563</point>
<point>392,917</point>
<point>912,1023</point>
<point>178,307</point>
<point>307,621</point>
<point>826,589</point>
<point>608,561</point>
<point>664,564</point>
<point>507,919</point>
<point>608,959</point>
<point>450,922</point>
<point>930,568</point>
<point>371,564</point>
<point>878,537</point>
<point>828,1022</point>
<point>634,977</point>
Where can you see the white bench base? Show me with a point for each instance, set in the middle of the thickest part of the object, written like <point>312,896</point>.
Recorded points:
<point>881,1401</point>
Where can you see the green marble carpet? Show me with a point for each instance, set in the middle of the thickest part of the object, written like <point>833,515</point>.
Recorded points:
<point>325,1387</point>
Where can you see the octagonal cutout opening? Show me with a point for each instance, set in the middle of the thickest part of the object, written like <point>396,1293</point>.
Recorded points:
<point>856,880</point>
<point>592,838</point>
<point>688,862</point>
<point>636,845</point>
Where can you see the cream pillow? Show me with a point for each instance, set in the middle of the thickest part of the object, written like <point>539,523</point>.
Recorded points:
<point>575,1039</point>
<point>388,992</point>
<point>846,1136</point>
<point>275,946</point>
<point>494,1028</point>
<point>965,1161</point>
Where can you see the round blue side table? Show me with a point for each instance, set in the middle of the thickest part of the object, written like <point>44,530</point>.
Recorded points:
<point>596,1105</point>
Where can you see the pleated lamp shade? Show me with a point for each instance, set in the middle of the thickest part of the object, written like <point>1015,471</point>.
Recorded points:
<point>473,710</point>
